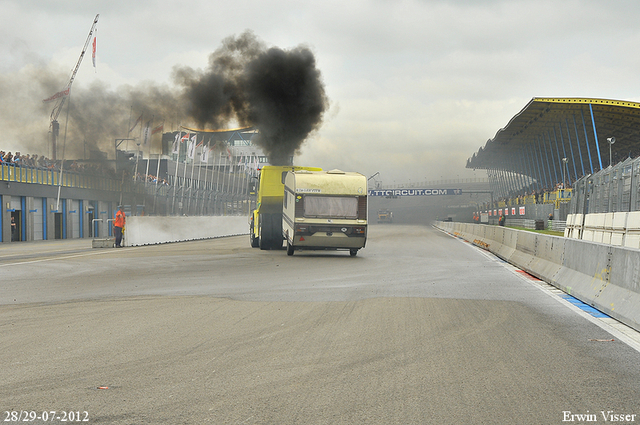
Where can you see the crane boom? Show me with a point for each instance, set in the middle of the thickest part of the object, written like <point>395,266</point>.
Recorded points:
<point>60,103</point>
<point>54,126</point>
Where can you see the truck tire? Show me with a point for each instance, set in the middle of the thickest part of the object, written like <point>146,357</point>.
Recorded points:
<point>270,231</point>
<point>289,249</point>
<point>262,239</point>
<point>254,241</point>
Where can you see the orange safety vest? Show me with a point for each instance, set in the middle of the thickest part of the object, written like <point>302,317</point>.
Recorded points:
<point>119,219</point>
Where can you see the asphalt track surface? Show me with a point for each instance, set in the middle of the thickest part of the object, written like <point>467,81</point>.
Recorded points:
<point>419,328</point>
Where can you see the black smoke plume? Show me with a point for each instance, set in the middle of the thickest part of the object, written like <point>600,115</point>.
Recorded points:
<point>286,100</point>
<point>278,91</point>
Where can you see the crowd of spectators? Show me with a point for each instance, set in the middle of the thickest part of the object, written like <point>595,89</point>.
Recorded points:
<point>74,166</point>
<point>28,160</point>
<point>44,163</point>
<point>150,178</point>
<point>532,197</point>
<point>93,168</point>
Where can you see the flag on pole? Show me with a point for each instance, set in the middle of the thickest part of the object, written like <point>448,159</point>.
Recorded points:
<point>58,95</point>
<point>176,143</point>
<point>205,153</point>
<point>230,157</point>
<point>146,133</point>
<point>93,52</point>
<point>158,129</point>
<point>192,146</point>
<point>185,138</point>
<point>136,123</point>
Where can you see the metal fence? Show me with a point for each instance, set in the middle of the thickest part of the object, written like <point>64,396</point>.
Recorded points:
<point>555,225</point>
<point>46,176</point>
<point>221,192</point>
<point>613,189</point>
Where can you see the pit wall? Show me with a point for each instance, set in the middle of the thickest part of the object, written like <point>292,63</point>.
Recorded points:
<point>150,230</point>
<point>604,276</point>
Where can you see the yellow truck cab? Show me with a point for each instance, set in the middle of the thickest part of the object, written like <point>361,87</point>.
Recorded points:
<point>324,210</point>
<point>265,222</point>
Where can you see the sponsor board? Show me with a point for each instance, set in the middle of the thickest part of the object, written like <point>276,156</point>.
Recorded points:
<point>415,192</point>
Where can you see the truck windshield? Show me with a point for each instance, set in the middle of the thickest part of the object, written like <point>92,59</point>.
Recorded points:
<point>331,206</point>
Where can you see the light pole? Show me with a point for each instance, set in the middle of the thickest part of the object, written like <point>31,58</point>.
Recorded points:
<point>564,165</point>
<point>135,175</point>
<point>611,141</point>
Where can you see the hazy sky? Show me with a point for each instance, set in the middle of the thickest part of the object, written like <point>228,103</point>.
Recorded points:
<point>415,87</point>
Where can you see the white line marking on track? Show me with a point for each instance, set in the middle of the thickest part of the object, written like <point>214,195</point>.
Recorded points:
<point>107,251</point>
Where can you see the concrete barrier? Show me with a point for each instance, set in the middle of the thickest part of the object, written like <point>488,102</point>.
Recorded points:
<point>525,250</point>
<point>594,227</point>
<point>574,226</point>
<point>604,276</point>
<point>103,243</point>
<point>618,228</point>
<point>622,295</point>
<point>632,234</point>
<point>548,257</point>
<point>150,230</point>
<point>506,244</point>
<point>568,230</point>
<point>607,229</point>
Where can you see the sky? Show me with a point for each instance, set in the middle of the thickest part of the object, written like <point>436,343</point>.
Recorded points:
<point>414,88</point>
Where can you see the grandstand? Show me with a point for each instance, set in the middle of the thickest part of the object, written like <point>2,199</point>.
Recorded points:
<point>553,143</point>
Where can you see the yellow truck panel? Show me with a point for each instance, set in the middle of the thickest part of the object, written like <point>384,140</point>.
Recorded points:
<point>265,222</point>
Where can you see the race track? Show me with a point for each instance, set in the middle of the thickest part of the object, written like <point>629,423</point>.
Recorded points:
<point>419,328</point>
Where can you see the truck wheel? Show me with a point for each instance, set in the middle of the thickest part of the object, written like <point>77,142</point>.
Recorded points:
<point>353,252</point>
<point>262,239</point>
<point>289,248</point>
<point>270,231</point>
<point>254,241</point>
<point>276,231</point>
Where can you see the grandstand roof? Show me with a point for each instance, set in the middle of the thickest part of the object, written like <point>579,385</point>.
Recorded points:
<point>221,134</point>
<point>549,129</point>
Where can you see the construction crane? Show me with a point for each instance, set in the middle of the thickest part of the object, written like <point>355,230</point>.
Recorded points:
<point>61,96</point>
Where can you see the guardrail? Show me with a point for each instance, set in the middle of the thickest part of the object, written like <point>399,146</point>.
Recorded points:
<point>601,275</point>
<point>46,176</point>
<point>555,225</point>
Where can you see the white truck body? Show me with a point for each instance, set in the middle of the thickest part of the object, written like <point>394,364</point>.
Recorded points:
<point>324,210</point>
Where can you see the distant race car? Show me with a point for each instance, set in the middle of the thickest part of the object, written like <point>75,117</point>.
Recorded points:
<point>385,216</point>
